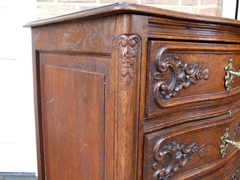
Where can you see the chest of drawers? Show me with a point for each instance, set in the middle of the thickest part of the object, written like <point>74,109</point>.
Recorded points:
<point>130,92</point>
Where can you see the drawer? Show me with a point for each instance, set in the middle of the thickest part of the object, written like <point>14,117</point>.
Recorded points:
<point>184,76</point>
<point>192,150</point>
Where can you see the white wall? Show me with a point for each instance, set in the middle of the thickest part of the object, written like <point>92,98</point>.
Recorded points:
<point>17,129</point>
<point>229,9</point>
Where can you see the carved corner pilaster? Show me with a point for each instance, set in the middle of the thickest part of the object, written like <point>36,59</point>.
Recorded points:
<point>168,158</point>
<point>127,75</point>
<point>128,54</point>
<point>182,75</point>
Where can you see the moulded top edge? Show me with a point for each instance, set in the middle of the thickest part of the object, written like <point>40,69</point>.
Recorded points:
<point>131,8</point>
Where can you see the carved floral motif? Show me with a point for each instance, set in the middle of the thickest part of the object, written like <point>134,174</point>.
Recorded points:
<point>169,158</point>
<point>128,54</point>
<point>182,75</point>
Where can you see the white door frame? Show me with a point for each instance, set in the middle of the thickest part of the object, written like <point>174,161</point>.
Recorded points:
<point>17,128</point>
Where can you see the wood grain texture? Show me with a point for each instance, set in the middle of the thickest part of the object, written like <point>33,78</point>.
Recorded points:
<point>65,126</point>
<point>92,36</point>
<point>166,28</point>
<point>90,65</point>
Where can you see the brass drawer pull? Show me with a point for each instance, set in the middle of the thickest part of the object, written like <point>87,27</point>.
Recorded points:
<point>235,73</point>
<point>225,141</point>
<point>234,143</point>
<point>230,74</point>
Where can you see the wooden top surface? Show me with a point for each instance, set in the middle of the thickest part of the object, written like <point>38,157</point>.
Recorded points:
<point>130,8</point>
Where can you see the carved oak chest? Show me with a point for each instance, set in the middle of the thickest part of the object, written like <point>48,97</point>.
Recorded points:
<point>130,92</point>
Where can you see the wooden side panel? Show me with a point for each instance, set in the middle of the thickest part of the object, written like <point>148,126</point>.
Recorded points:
<point>79,39</point>
<point>73,119</point>
<point>91,36</point>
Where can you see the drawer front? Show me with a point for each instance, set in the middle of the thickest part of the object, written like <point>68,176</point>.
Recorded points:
<point>185,75</point>
<point>192,150</point>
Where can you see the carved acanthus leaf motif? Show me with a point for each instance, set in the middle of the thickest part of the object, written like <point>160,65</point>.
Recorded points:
<point>236,175</point>
<point>176,156</point>
<point>182,75</point>
<point>128,54</point>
